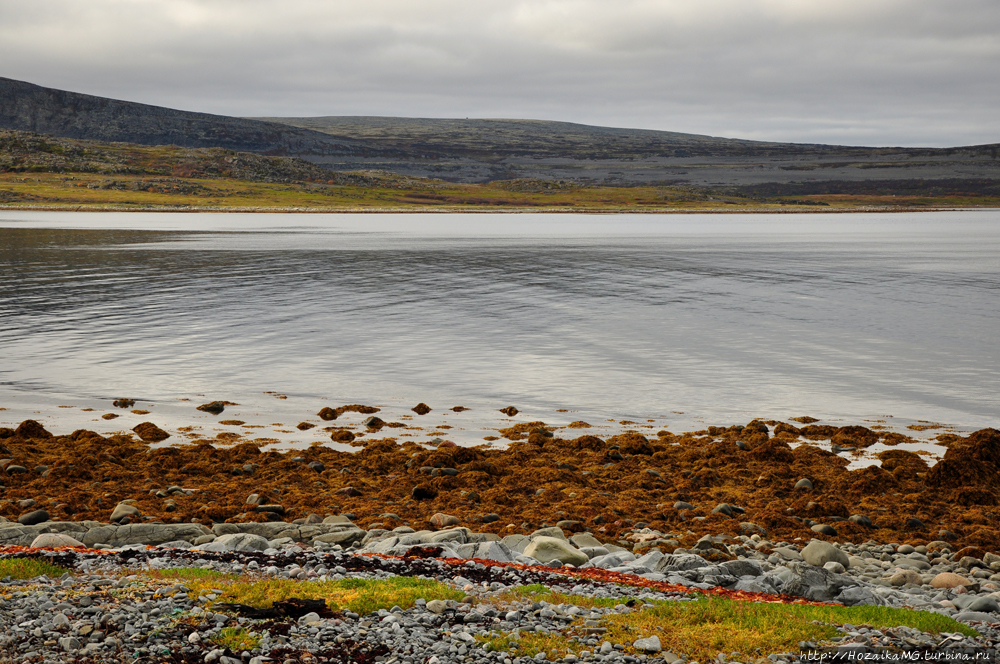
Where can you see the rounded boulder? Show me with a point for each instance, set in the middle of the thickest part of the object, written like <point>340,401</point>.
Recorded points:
<point>547,549</point>
<point>819,553</point>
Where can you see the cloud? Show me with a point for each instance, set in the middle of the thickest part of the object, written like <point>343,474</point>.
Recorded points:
<point>914,72</point>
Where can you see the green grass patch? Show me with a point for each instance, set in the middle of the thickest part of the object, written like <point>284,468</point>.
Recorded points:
<point>703,628</point>
<point>28,568</point>
<point>236,639</point>
<point>361,596</point>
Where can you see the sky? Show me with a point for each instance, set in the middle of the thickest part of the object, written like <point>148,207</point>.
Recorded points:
<point>853,72</point>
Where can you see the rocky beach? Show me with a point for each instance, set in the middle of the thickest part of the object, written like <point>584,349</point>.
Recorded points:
<point>545,545</point>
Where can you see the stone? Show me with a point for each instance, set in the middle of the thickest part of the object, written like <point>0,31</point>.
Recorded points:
<point>804,484</point>
<point>681,562</point>
<point>236,542</point>
<point>651,644</point>
<point>585,539</point>
<point>345,537</point>
<point>974,616</point>
<point>494,551</point>
<point>348,491</point>
<point>421,408</point>
<point>681,505</point>
<point>16,470</point>
<point>318,466</point>
<point>722,508</point>
<point>441,520</point>
<point>824,529</point>
<point>424,492</point>
<point>437,606</point>
<point>788,553</point>
<point>214,407</point>
<point>904,577</point>
<point>819,553</point>
<point>33,518</point>
<point>123,510</point>
<point>551,531</point>
<point>546,549</point>
<point>53,540</point>
<point>861,520</point>
<point>326,414</point>
<point>835,567</point>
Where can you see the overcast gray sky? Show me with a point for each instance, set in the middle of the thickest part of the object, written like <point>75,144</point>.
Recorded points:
<point>871,72</point>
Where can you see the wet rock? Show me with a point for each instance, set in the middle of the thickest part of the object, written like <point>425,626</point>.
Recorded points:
<point>804,484</point>
<point>327,414</point>
<point>150,432</point>
<point>304,426</point>
<point>421,409</point>
<point>123,403</point>
<point>440,520</point>
<point>509,411</point>
<point>53,540</point>
<point>547,549</point>
<point>33,518</point>
<point>213,407</point>
<point>424,492</point>
<point>824,529</point>
<point>723,508</point>
<point>374,422</point>
<point>318,466</point>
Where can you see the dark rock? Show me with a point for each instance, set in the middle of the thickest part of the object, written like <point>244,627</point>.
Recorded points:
<point>421,409</point>
<point>214,407</point>
<point>318,466</point>
<point>861,520</point>
<point>123,403</point>
<point>33,518</point>
<point>915,524</point>
<point>374,422</point>
<point>824,529</point>
<point>490,518</point>
<point>349,491</point>
<point>304,426</point>
<point>571,525</point>
<point>273,509</point>
<point>681,505</point>
<point>423,492</point>
<point>509,411</point>
<point>14,470</point>
<point>327,414</point>
<point>723,508</point>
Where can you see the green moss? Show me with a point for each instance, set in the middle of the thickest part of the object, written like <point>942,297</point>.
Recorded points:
<point>28,568</point>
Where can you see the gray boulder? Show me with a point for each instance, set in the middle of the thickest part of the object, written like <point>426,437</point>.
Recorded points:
<point>551,531</point>
<point>52,540</point>
<point>546,549</point>
<point>819,553</point>
<point>236,542</point>
<point>680,562</point>
<point>742,568</point>
<point>808,581</point>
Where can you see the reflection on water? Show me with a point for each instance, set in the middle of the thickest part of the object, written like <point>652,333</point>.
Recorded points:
<point>720,318</point>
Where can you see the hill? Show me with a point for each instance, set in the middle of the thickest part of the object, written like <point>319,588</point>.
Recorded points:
<point>32,108</point>
<point>482,151</point>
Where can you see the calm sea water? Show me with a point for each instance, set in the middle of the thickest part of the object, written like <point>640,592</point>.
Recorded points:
<point>681,320</point>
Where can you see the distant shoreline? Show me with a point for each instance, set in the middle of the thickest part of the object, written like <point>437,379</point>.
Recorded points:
<point>484,210</point>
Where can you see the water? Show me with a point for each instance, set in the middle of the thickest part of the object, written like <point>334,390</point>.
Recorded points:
<point>672,321</point>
